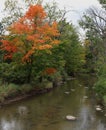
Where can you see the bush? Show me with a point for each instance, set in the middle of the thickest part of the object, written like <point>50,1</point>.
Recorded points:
<point>102,71</point>
<point>100,87</point>
<point>25,88</point>
<point>8,90</point>
<point>12,90</point>
<point>104,98</point>
<point>13,72</point>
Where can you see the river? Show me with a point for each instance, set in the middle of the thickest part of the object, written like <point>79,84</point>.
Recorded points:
<point>48,111</point>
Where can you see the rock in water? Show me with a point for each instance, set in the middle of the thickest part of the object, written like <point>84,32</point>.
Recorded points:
<point>98,108</point>
<point>67,92</point>
<point>72,90</point>
<point>85,97</point>
<point>70,118</point>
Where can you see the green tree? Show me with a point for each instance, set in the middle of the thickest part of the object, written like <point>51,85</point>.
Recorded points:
<point>94,23</point>
<point>54,13</point>
<point>103,3</point>
<point>73,51</point>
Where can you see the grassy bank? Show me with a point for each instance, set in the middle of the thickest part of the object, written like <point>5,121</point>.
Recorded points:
<point>100,85</point>
<point>13,92</point>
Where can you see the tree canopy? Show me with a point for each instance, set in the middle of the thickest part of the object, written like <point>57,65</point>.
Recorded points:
<point>94,23</point>
<point>30,33</point>
<point>40,43</point>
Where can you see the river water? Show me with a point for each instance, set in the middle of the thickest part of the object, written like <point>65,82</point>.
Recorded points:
<point>48,111</point>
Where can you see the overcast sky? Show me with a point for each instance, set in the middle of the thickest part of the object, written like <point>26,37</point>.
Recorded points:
<point>77,7</point>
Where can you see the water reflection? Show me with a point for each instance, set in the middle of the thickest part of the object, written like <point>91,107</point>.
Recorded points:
<point>10,125</point>
<point>48,111</point>
<point>22,110</point>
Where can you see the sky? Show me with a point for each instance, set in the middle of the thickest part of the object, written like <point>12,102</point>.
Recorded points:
<point>77,8</point>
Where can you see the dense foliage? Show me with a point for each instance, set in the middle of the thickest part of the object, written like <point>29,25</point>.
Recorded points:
<point>94,23</point>
<point>40,46</point>
<point>100,85</point>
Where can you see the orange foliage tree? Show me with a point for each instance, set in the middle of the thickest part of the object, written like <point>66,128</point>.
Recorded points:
<point>49,71</point>
<point>31,33</point>
<point>9,47</point>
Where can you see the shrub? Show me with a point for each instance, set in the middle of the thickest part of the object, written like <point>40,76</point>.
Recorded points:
<point>104,98</point>
<point>25,88</point>
<point>13,72</point>
<point>100,87</point>
<point>12,90</point>
<point>102,71</point>
<point>8,90</point>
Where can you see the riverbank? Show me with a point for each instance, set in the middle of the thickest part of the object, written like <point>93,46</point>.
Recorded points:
<point>10,93</point>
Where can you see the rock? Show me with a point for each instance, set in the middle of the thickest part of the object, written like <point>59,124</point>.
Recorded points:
<point>98,108</point>
<point>70,118</point>
<point>85,97</point>
<point>67,92</point>
<point>72,90</point>
<point>80,85</point>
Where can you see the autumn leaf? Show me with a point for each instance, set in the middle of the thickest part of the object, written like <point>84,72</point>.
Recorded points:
<point>32,32</point>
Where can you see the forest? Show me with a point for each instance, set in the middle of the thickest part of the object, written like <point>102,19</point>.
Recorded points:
<point>39,48</point>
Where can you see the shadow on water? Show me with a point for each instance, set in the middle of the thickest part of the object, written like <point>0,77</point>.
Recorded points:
<point>48,111</point>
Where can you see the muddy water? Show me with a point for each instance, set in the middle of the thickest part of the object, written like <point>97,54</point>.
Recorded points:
<point>48,111</point>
